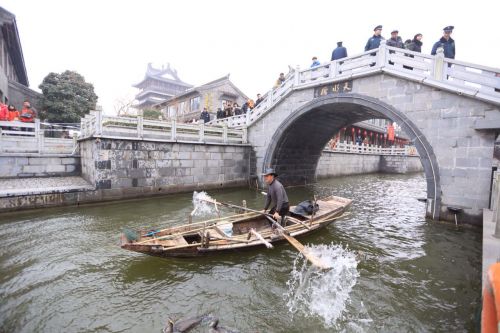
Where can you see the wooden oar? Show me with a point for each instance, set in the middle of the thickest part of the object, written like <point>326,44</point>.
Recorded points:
<point>292,240</point>
<point>263,241</point>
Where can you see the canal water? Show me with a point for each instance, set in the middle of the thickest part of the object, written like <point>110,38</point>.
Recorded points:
<point>61,270</point>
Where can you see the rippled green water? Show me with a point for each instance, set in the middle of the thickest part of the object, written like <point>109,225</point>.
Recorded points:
<point>61,270</point>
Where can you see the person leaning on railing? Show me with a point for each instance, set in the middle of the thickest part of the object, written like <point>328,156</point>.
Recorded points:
<point>4,112</point>
<point>28,115</point>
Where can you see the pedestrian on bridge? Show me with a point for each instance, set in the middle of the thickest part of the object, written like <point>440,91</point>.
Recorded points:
<point>446,42</point>
<point>339,52</point>
<point>259,99</point>
<point>395,40</point>
<point>374,41</point>
<point>205,115</point>
<point>315,63</point>
<point>280,80</point>
<point>416,44</point>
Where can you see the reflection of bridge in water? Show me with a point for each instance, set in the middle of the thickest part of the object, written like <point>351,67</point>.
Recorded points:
<point>449,110</point>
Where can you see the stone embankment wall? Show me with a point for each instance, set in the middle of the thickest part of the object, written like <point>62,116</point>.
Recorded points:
<point>122,168</point>
<point>332,164</point>
<point>23,165</point>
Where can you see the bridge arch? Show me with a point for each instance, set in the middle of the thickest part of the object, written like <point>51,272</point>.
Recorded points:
<point>296,146</point>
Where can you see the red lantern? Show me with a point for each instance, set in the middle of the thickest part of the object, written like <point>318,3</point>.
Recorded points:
<point>359,131</point>
<point>352,129</point>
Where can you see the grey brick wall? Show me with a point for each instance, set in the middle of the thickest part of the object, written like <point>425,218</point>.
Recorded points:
<point>132,168</point>
<point>22,166</point>
<point>332,164</point>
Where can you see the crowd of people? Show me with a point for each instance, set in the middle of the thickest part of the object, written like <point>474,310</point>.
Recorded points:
<point>230,109</point>
<point>446,42</point>
<point>415,44</point>
<point>11,114</point>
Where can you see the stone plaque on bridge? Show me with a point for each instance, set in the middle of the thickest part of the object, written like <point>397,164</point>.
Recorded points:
<point>333,89</point>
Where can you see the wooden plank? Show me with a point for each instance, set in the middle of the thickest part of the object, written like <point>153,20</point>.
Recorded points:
<point>313,259</point>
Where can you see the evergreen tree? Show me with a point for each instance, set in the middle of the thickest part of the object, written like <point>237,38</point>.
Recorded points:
<point>66,97</point>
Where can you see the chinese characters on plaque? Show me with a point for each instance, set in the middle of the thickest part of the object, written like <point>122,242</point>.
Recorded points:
<point>333,89</point>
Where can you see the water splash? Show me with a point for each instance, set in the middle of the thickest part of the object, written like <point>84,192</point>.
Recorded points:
<point>202,205</point>
<point>323,294</point>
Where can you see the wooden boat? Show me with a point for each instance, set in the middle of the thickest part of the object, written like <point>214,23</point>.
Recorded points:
<point>236,232</point>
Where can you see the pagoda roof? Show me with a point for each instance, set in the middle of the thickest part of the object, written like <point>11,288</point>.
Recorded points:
<point>211,84</point>
<point>11,38</point>
<point>164,74</point>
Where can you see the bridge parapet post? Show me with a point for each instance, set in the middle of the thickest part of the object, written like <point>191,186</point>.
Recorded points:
<point>224,133</point>
<point>382,54</point>
<point>438,70</point>
<point>244,135</point>
<point>140,124</point>
<point>333,68</point>
<point>40,140</point>
<point>296,78</point>
<point>173,130</point>
<point>202,132</point>
<point>37,126</point>
<point>98,121</point>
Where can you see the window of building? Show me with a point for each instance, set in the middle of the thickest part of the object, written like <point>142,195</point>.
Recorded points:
<point>182,108</point>
<point>171,111</point>
<point>195,103</point>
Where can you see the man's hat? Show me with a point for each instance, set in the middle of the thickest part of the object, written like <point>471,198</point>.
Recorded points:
<point>377,27</point>
<point>448,28</point>
<point>270,171</point>
<point>394,31</point>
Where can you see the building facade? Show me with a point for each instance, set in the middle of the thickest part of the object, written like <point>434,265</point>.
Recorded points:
<point>158,86</point>
<point>14,85</point>
<point>187,106</point>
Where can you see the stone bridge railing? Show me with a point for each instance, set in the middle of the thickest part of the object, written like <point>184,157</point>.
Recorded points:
<point>96,124</point>
<point>464,78</point>
<point>353,148</point>
<point>17,137</point>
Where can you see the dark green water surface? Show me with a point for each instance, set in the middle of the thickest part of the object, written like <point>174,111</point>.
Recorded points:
<point>62,270</point>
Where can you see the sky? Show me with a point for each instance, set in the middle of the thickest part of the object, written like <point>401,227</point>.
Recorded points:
<point>110,43</point>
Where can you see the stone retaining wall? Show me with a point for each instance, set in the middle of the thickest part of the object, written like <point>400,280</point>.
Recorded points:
<point>127,168</point>
<point>23,165</point>
<point>333,164</point>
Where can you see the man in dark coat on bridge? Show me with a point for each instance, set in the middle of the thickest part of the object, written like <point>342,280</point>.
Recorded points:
<point>416,44</point>
<point>339,52</point>
<point>395,40</point>
<point>374,41</point>
<point>205,115</point>
<point>446,42</point>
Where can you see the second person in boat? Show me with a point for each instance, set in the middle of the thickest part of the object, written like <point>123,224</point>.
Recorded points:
<point>276,197</point>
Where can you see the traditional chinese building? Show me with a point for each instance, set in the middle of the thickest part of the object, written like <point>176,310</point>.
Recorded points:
<point>158,86</point>
<point>189,104</point>
<point>14,85</point>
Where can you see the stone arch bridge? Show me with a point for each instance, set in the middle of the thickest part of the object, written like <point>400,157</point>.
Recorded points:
<point>449,109</point>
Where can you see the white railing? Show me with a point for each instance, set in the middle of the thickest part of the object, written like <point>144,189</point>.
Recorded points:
<point>98,125</point>
<point>468,79</point>
<point>353,148</point>
<point>19,137</point>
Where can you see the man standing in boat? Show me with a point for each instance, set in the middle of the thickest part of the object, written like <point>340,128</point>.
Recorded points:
<point>276,197</point>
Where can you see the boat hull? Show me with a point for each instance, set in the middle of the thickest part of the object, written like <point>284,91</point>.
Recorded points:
<point>211,237</point>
